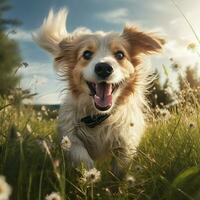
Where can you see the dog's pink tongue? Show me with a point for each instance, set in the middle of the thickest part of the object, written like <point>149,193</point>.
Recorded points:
<point>103,97</point>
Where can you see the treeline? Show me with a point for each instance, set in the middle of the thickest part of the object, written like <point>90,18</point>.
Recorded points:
<point>10,58</point>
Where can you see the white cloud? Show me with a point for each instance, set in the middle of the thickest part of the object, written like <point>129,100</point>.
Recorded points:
<point>175,21</point>
<point>176,49</point>
<point>37,68</point>
<point>40,80</point>
<point>181,55</point>
<point>158,7</point>
<point>52,98</point>
<point>117,16</point>
<point>160,31</point>
<point>21,35</point>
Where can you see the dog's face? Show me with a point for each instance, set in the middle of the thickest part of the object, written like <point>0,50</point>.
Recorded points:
<point>103,66</point>
<point>100,65</point>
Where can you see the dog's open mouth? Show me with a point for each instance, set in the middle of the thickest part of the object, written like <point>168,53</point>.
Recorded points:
<point>102,94</point>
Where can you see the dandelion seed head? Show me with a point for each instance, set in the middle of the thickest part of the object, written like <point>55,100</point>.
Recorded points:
<point>107,190</point>
<point>39,114</point>
<point>5,189</point>
<point>43,108</point>
<point>91,176</point>
<point>19,134</point>
<point>65,143</point>
<point>53,196</point>
<point>130,180</point>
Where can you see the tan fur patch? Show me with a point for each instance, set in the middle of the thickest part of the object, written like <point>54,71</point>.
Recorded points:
<point>127,91</point>
<point>140,42</point>
<point>71,56</point>
<point>118,44</point>
<point>137,43</point>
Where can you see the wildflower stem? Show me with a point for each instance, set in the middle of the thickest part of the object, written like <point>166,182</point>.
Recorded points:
<point>92,191</point>
<point>41,177</point>
<point>187,20</point>
<point>62,180</point>
<point>3,107</point>
<point>29,188</point>
<point>83,193</point>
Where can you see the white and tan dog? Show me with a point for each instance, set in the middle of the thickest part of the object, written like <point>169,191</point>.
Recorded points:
<point>103,112</point>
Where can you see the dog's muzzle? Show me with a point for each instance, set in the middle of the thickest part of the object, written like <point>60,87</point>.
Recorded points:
<point>103,70</point>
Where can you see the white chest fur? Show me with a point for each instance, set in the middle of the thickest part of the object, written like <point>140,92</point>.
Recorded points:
<point>123,129</point>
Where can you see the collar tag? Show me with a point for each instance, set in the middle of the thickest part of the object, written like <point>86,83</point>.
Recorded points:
<point>92,121</point>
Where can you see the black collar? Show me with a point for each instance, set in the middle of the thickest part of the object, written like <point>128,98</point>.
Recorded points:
<point>92,121</point>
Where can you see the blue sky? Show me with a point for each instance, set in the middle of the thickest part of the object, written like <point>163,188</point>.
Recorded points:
<point>108,15</point>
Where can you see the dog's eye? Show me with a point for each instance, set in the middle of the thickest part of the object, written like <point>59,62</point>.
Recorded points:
<point>119,55</point>
<point>87,55</point>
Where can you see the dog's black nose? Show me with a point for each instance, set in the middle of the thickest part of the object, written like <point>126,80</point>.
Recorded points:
<point>103,70</point>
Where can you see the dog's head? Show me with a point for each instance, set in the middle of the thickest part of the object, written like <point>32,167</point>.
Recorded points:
<point>101,65</point>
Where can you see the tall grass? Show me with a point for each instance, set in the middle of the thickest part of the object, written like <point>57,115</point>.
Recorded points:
<point>166,165</point>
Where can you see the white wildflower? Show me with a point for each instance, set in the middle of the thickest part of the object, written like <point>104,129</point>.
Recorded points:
<point>5,189</point>
<point>53,196</point>
<point>39,114</point>
<point>43,108</point>
<point>65,143</point>
<point>18,134</point>
<point>107,190</point>
<point>130,180</point>
<point>91,176</point>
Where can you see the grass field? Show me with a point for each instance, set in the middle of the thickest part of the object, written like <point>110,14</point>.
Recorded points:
<point>165,167</point>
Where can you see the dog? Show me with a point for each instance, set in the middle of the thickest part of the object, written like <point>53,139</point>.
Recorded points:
<point>103,112</point>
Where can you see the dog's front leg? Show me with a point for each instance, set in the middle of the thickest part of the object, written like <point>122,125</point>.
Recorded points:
<point>120,162</point>
<point>78,154</point>
<point>120,165</point>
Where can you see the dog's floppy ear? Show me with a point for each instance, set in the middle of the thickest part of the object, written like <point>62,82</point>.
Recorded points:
<point>141,42</point>
<point>52,31</point>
